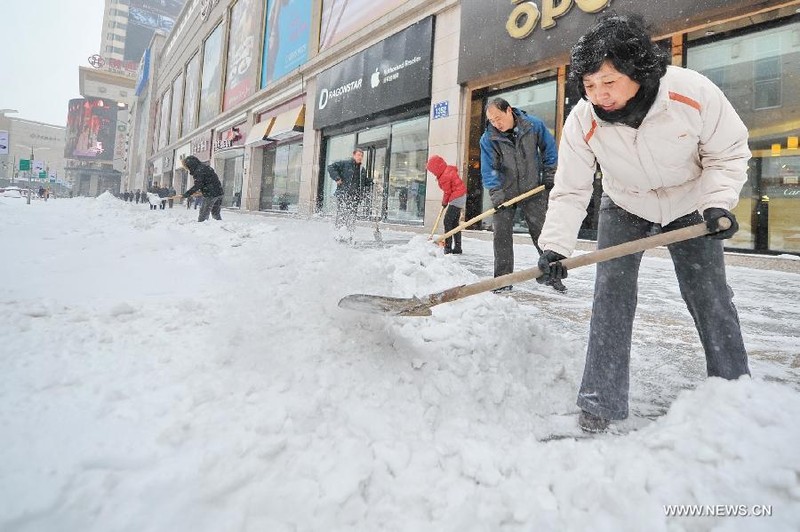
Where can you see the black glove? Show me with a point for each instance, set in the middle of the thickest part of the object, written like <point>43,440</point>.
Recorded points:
<point>548,181</point>
<point>712,217</point>
<point>551,271</point>
<point>498,197</point>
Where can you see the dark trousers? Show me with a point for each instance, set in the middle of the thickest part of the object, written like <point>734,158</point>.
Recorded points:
<point>534,210</point>
<point>451,216</point>
<point>347,209</point>
<point>700,269</point>
<point>212,206</point>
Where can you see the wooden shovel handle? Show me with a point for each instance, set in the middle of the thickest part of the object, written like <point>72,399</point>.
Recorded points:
<point>488,213</point>
<point>600,255</point>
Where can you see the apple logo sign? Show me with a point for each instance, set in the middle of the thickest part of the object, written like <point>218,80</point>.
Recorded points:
<point>375,80</point>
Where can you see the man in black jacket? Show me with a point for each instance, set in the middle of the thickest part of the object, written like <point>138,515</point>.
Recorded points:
<point>207,182</point>
<point>351,186</point>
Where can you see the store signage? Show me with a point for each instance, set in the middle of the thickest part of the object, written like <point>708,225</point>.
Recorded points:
<point>230,138</point>
<point>525,16</point>
<point>389,74</point>
<point>513,34</point>
<point>201,146</point>
<point>783,192</point>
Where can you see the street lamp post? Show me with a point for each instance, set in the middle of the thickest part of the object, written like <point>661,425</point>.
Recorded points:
<point>30,170</point>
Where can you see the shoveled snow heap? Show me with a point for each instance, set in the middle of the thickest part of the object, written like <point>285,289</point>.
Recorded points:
<point>157,374</point>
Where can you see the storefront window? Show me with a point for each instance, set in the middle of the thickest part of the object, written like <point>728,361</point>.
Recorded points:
<point>232,174</point>
<point>280,178</point>
<point>405,193</point>
<point>759,72</point>
<point>395,156</point>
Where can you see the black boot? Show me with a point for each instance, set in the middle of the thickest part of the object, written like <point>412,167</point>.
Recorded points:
<point>591,423</point>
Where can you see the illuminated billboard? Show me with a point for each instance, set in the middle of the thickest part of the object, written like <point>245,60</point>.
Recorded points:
<point>91,129</point>
<point>145,17</point>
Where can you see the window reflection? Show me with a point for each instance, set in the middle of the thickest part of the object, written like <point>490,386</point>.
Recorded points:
<point>757,71</point>
<point>280,178</point>
<point>407,175</point>
<point>398,192</point>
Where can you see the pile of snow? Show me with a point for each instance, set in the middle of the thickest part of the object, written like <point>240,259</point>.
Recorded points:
<point>161,374</point>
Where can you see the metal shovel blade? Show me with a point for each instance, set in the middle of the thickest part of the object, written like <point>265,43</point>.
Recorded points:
<point>392,306</point>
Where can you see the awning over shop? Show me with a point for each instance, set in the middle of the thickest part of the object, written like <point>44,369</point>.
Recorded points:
<point>288,124</point>
<point>258,133</point>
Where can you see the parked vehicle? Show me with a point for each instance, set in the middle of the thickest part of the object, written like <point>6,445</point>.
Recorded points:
<point>13,192</point>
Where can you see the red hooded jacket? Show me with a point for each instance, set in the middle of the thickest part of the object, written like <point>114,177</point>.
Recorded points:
<point>447,177</point>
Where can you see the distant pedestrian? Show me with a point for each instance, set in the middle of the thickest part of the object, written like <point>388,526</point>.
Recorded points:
<point>154,200</point>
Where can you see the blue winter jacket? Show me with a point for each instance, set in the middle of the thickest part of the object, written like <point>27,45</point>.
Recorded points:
<point>521,165</point>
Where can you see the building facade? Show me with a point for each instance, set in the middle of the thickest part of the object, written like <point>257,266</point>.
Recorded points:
<point>19,139</point>
<point>271,92</point>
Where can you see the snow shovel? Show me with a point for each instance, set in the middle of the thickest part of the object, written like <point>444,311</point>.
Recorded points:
<point>421,306</point>
<point>490,212</point>
<point>436,223</point>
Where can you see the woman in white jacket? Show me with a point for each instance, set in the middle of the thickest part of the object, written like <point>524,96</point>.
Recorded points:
<point>673,152</point>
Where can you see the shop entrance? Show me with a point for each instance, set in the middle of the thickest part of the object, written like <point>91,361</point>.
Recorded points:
<point>375,162</point>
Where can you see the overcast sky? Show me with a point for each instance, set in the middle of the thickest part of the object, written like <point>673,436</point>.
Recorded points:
<point>42,44</point>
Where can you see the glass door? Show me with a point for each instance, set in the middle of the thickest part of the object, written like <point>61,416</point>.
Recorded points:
<point>374,205</point>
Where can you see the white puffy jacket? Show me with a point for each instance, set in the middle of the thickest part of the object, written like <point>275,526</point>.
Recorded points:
<point>690,153</point>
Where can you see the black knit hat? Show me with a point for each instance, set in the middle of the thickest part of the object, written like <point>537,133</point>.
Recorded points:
<point>190,162</point>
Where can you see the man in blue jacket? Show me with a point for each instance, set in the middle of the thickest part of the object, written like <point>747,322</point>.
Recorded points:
<point>518,154</point>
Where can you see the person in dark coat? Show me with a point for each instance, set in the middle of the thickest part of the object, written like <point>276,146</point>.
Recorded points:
<point>454,197</point>
<point>207,183</point>
<point>518,154</point>
<point>352,185</point>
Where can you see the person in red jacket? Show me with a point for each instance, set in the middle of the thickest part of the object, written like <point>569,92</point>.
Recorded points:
<point>454,197</point>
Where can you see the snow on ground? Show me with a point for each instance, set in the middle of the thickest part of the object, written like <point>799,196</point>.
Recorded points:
<point>157,374</point>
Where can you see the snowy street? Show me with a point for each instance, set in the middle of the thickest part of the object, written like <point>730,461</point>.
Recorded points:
<point>158,374</point>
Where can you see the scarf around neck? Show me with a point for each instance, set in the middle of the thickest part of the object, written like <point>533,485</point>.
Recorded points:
<point>635,110</point>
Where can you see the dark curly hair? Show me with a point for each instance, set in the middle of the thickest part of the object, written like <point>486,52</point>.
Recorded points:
<point>625,41</point>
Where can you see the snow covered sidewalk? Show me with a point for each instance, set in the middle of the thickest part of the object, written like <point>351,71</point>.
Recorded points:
<point>157,374</point>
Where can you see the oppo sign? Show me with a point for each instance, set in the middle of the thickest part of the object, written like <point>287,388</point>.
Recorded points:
<point>523,18</point>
